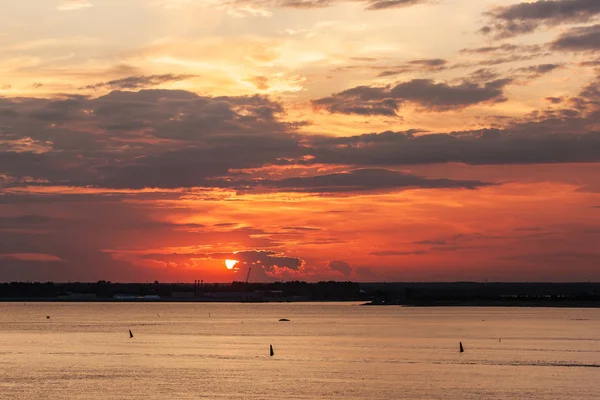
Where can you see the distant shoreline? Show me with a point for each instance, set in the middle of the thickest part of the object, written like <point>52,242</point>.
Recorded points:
<point>441,304</point>
<point>45,300</point>
<point>524,304</point>
<point>451,294</point>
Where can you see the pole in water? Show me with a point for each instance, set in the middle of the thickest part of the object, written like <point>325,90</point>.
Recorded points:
<point>130,334</point>
<point>272,353</point>
<point>461,348</point>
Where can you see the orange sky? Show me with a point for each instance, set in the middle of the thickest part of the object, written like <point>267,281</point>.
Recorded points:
<point>405,140</point>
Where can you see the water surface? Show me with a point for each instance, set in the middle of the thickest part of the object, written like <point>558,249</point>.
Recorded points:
<point>326,351</point>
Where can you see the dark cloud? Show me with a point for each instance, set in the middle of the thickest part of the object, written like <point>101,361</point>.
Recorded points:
<point>424,93</point>
<point>268,260</point>
<point>309,4</point>
<point>365,180</point>
<point>365,273</point>
<point>420,65</point>
<point>535,71</point>
<point>163,138</point>
<point>384,69</point>
<point>301,228</point>
<point>387,253</point>
<point>526,17</point>
<point>585,38</point>
<point>138,82</point>
<point>488,56</point>
<point>22,220</point>
<point>503,48</point>
<point>304,4</point>
<point>554,100</point>
<point>483,75</point>
<point>519,144</point>
<point>384,4</point>
<point>177,139</point>
<point>590,63</point>
<point>340,266</point>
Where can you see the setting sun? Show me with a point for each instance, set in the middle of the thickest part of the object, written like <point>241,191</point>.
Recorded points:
<point>230,263</point>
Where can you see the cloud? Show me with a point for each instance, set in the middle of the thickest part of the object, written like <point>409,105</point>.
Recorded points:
<point>424,93</point>
<point>364,180</point>
<point>340,266</point>
<point>503,48</point>
<point>271,263</point>
<point>535,71</point>
<point>526,17</point>
<point>31,257</point>
<point>159,137</point>
<point>171,139</point>
<point>520,144</point>
<point>23,220</point>
<point>387,253</point>
<point>301,228</point>
<point>420,65</point>
<point>70,5</point>
<point>260,82</point>
<point>140,81</point>
<point>578,39</point>
<point>385,4</point>
<point>372,5</point>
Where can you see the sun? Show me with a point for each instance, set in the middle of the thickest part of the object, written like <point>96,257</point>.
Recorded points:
<point>230,263</point>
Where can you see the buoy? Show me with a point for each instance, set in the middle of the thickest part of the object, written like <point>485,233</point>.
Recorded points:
<point>461,348</point>
<point>130,334</point>
<point>47,317</point>
<point>271,350</point>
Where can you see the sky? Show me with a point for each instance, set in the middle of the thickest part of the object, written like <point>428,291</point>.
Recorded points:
<point>363,140</point>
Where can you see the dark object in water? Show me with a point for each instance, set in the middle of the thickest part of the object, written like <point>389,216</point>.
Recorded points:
<point>284,320</point>
<point>272,353</point>
<point>130,334</point>
<point>47,317</point>
<point>461,348</point>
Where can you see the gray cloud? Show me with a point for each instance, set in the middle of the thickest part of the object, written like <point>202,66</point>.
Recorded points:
<point>265,259</point>
<point>384,4</point>
<point>151,137</point>
<point>365,180</point>
<point>535,71</point>
<point>308,4</point>
<point>387,253</point>
<point>503,48</point>
<point>21,220</point>
<point>585,38</point>
<point>426,64</point>
<point>140,81</point>
<point>517,145</point>
<point>340,266</point>
<point>425,93</point>
<point>177,139</point>
<point>518,19</point>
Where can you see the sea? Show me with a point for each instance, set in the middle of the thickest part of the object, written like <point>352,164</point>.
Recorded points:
<point>324,351</point>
